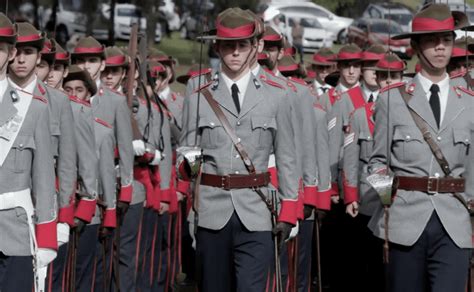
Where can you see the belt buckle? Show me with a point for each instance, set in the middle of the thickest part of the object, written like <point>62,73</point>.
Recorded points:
<point>433,185</point>
<point>225,182</point>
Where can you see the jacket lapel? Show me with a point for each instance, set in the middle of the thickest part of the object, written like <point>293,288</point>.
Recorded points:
<point>454,107</point>
<point>419,103</point>
<point>222,95</point>
<point>7,109</point>
<point>252,96</point>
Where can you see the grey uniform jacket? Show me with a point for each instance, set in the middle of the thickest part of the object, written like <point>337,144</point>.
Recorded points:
<point>358,145</point>
<point>112,108</point>
<point>87,159</point>
<point>29,164</point>
<point>411,156</point>
<point>263,126</point>
<point>64,143</point>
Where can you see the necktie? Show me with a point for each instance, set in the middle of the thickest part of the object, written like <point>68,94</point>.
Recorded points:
<point>235,96</point>
<point>324,89</point>
<point>435,103</point>
<point>371,98</point>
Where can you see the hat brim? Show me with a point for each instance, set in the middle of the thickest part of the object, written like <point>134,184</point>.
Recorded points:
<point>333,78</point>
<point>48,57</point>
<point>8,39</point>
<point>36,44</point>
<point>322,63</point>
<point>183,79</point>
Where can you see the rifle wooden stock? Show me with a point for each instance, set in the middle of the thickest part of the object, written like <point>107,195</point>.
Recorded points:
<point>132,52</point>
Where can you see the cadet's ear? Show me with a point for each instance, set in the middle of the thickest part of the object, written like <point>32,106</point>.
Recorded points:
<point>38,58</point>
<point>280,54</point>
<point>66,71</point>
<point>102,65</point>
<point>11,53</point>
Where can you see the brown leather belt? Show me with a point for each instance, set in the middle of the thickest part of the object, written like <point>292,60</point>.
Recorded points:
<point>236,181</point>
<point>431,185</point>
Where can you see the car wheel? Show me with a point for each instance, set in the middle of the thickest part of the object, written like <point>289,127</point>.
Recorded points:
<point>62,36</point>
<point>342,37</point>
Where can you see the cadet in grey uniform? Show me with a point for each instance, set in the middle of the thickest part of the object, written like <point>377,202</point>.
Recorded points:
<point>429,227</point>
<point>28,210</point>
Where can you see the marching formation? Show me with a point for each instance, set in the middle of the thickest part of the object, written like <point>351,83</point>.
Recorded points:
<point>265,175</point>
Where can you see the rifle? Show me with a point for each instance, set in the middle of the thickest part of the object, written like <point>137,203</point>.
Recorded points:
<point>279,285</point>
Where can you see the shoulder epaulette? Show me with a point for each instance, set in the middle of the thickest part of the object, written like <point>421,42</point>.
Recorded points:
<point>298,80</point>
<point>411,88</point>
<point>271,82</point>
<point>269,71</point>
<point>40,98</point>
<point>386,88</point>
<point>318,105</point>
<point>102,122</point>
<point>202,87</point>
<point>78,100</point>
<point>292,86</point>
<point>116,92</point>
<point>464,89</point>
<point>459,74</point>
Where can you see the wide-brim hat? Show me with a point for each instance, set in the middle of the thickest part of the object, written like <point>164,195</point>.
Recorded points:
<point>272,37</point>
<point>115,57</point>
<point>48,52</point>
<point>156,69</point>
<point>461,49</point>
<point>390,62</point>
<point>469,41</point>
<point>7,30</point>
<point>372,55</point>
<point>235,24</point>
<point>310,75</point>
<point>332,78</point>
<point>61,56</point>
<point>193,72</point>
<point>28,35</point>
<point>417,70</point>
<point>323,57</point>
<point>436,18</point>
<point>259,23</point>
<point>288,65</point>
<point>349,52</point>
<point>88,47</point>
<point>76,73</point>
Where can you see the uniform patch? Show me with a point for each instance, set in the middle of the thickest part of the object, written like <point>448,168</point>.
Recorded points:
<point>470,92</point>
<point>349,139</point>
<point>102,122</point>
<point>411,88</point>
<point>332,123</point>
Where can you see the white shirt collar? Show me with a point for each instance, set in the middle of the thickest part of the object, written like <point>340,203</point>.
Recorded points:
<point>256,70</point>
<point>319,87</point>
<point>342,88</point>
<point>165,93</point>
<point>30,87</point>
<point>3,87</point>
<point>242,84</point>
<point>443,91</point>
<point>367,92</point>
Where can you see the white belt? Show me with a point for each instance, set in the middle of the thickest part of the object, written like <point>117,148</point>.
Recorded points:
<point>22,199</point>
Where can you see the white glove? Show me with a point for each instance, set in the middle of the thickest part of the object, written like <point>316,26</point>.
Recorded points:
<point>63,233</point>
<point>138,147</point>
<point>157,158</point>
<point>44,256</point>
<point>294,231</point>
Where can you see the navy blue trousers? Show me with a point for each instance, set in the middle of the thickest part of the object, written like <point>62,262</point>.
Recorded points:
<point>147,264</point>
<point>56,270</point>
<point>16,273</point>
<point>434,263</point>
<point>86,252</point>
<point>305,244</point>
<point>233,258</point>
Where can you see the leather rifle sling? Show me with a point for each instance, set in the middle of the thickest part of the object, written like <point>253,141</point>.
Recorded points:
<point>235,140</point>
<point>435,149</point>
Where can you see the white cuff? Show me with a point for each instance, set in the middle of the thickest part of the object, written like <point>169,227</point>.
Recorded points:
<point>63,233</point>
<point>45,256</point>
<point>157,158</point>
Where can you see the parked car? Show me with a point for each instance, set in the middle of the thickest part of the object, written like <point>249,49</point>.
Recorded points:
<point>367,31</point>
<point>314,35</point>
<point>453,4</point>
<point>393,11</point>
<point>333,23</point>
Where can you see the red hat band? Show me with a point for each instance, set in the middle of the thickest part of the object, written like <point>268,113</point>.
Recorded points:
<point>370,56</point>
<point>288,67</point>
<point>430,24</point>
<point>115,60</point>
<point>84,50</point>
<point>62,56</point>
<point>28,38</point>
<point>7,31</point>
<point>394,65</point>
<point>349,56</point>
<point>238,32</point>
<point>321,59</point>
<point>459,52</point>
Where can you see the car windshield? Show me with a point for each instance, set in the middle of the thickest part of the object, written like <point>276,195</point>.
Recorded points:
<point>132,12</point>
<point>310,22</point>
<point>383,27</point>
<point>71,5</point>
<point>470,15</point>
<point>403,18</point>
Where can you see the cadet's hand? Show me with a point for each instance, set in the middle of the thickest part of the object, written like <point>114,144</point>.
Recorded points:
<point>180,196</point>
<point>282,232</point>
<point>79,225</point>
<point>164,207</point>
<point>156,160</point>
<point>44,256</point>
<point>335,199</point>
<point>62,233</point>
<point>122,208</point>
<point>138,147</point>
<point>352,209</point>
<point>308,210</point>
<point>105,232</point>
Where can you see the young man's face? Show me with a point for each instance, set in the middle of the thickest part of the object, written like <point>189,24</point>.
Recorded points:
<point>7,53</point>
<point>42,70</point>
<point>234,54</point>
<point>369,77</point>
<point>274,54</point>
<point>384,78</point>
<point>77,88</point>
<point>112,77</point>
<point>436,48</point>
<point>321,72</point>
<point>350,72</point>
<point>25,61</point>
<point>56,75</point>
<point>93,64</point>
